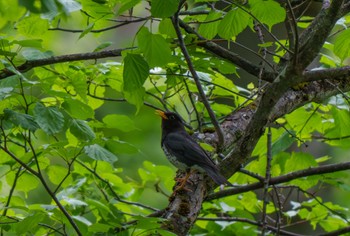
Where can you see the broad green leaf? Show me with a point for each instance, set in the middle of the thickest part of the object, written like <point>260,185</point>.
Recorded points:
<point>57,173</point>
<point>233,23</point>
<point>164,9</point>
<point>35,54</point>
<point>26,182</point>
<point>166,27</point>
<point>78,109</point>
<point>127,4</point>
<point>117,146</point>
<point>342,121</point>
<point>342,45</point>
<point>267,12</point>
<point>299,161</point>
<point>50,119</point>
<point>99,153</point>
<point>136,71</point>
<point>29,223</point>
<point>154,47</point>
<point>23,120</point>
<point>33,43</point>
<point>81,130</point>
<point>210,30</point>
<point>32,26</point>
<point>121,122</point>
<point>282,143</point>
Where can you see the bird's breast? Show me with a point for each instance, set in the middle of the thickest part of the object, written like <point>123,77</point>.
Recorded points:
<point>174,160</point>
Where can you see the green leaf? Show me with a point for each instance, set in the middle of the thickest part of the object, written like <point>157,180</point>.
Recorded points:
<point>282,143</point>
<point>78,109</point>
<point>57,173</point>
<point>164,9</point>
<point>342,45</point>
<point>127,4</point>
<point>121,122</point>
<point>50,119</point>
<point>26,182</point>
<point>87,30</point>
<point>32,26</point>
<point>117,146</point>
<point>166,27</point>
<point>24,120</point>
<point>33,43</point>
<point>233,23</point>
<point>81,130</point>
<point>154,47</point>
<point>299,161</point>
<point>29,224</point>
<point>268,12</point>
<point>340,129</point>
<point>35,54</point>
<point>210,30</point>
<point>99,153</point>
<point>102,46</point>
<point>135,73</point>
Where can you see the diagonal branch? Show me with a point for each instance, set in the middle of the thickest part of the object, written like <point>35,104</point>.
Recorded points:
<point>196,79</point>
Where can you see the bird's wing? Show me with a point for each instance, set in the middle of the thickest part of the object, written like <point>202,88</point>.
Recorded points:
<point>187,151</point>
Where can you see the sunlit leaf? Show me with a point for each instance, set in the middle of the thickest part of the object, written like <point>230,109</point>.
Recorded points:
<point>342,45</point>
<point>234,22</point>
<point>154,47</point>
<point>268,12</point>
<point>210,30</point>
<point>136,70</point>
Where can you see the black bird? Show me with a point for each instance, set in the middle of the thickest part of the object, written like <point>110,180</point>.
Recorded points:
<point>183,152</point>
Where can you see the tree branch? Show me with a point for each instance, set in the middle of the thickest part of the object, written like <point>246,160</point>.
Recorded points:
<point>314,36</point>
<point>282,179</point>
<point>196,79</point>
<point>28,65</point>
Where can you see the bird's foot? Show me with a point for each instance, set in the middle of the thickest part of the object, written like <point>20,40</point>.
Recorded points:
<point>182,182</point>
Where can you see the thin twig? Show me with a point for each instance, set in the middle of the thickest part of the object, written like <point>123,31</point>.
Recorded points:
<point>101,30</point>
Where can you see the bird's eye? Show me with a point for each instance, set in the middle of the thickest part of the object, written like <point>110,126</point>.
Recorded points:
<point>171,117</point>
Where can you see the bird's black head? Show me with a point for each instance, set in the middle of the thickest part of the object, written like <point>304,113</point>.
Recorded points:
<point>170,121</point>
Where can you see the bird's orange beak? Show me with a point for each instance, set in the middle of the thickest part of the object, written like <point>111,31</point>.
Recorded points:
<point>162,114</point>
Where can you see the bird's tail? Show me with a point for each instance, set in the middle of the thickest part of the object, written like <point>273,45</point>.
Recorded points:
<point>216,176</point>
